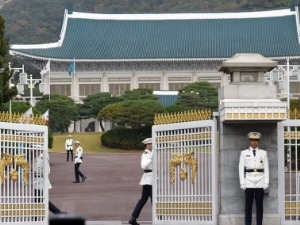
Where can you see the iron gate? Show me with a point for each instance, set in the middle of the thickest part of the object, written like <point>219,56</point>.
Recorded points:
<point>289,171</point>
<point>20,144</point>
<point>185,174</point>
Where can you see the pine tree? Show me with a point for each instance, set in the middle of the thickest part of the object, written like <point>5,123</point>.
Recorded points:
<point>6,92</point>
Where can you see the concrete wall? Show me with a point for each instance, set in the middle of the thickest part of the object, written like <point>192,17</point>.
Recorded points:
<point>233,139</point>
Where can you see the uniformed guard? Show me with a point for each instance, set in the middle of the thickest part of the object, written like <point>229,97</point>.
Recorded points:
<point>38,182</point>
<point>146,180</point>
<point>77,162</point>
<point>69,147</point>
<point>254,177</point>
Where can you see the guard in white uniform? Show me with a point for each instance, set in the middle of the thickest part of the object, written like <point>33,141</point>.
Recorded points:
<point>39,179</point>
<point>78,161</point>
<point>254,177</point>
<point>146,180</point>
<point>69,147</point>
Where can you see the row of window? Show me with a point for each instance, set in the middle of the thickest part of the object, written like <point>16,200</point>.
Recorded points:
<point>115,89</point>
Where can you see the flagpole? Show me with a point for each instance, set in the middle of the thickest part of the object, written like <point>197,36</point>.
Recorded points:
<point>74,81</point>
<point>49,78</point>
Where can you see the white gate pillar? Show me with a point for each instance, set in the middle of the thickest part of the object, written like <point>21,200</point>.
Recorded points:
<point>247,104</point>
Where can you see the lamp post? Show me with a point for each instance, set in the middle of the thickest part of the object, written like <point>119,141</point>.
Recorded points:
<point>31,84</point>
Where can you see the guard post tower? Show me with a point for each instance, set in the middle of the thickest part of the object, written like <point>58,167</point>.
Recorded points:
<point>247,104</point>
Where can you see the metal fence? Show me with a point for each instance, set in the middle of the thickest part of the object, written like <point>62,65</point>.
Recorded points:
<point>289,171</point>
<point>185,174</point>
<point>23,184</point>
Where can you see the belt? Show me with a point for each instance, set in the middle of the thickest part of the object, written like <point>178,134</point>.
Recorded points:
<point>147,171</point>
<point>254,170</point>
<point>69,145</point>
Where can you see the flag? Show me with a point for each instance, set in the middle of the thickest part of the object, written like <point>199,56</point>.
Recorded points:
<point>46,117</point>
<point>71,69</point>
<point>28,112</point>
<point>45,69</point>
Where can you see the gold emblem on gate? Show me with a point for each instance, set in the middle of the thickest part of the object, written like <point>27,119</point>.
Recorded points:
<point>7,160</point>
<point>188,159</point>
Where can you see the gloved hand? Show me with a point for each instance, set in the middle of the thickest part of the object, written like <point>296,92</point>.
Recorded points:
<point>265,186</point>
<point>243,187</point>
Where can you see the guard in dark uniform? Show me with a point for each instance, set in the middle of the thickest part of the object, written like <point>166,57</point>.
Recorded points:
<point>254,177</point>
<point>146,180</point>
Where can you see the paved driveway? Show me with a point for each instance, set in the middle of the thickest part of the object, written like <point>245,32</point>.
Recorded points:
<point>110,191</point>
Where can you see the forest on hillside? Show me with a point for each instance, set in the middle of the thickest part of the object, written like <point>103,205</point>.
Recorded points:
<point>39,21</point>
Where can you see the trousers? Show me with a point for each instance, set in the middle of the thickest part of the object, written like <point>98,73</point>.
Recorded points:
<point>77,172</point>
<point>146,193</point>
<point>39,199</point>
<point>69,152</point>
<point>250,194</point>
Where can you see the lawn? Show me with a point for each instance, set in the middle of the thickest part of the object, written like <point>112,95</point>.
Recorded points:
<point>90,142</point>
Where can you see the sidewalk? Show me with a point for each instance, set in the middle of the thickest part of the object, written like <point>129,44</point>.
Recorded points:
<point>108,195</point>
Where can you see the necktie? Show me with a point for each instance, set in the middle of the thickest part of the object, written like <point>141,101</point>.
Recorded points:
<point>254,152</point>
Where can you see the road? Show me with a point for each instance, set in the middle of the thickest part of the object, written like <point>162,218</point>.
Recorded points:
<point>110,191</point>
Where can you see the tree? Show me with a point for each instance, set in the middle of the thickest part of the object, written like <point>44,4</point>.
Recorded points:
<point>198,95</point>
<point>133,113</point>
<point>6,92</point>
<point>140,93</point>
<point>62,111</point>
<point>92,104</point>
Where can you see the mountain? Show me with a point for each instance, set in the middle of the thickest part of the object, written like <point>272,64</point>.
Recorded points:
<point>40,21</point>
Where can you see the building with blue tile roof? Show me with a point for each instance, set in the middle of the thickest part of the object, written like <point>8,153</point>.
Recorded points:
<point>164,52</point>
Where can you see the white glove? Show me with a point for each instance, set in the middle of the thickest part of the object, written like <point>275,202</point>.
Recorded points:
<point>243,187</point>
<point>265,186</point>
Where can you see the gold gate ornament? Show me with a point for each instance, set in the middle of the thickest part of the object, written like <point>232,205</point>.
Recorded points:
<point>188,159</point>
<point>7,160</point>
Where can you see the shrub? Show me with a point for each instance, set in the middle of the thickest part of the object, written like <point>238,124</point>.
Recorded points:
<point>125,138</point>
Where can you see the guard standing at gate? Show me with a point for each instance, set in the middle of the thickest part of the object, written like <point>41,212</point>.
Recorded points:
<point>146,180</point>
<point>254,177</point>
<point>69,147</point>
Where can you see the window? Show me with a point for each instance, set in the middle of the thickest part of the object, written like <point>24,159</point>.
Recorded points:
<point>88,89</point>
<point>153,86</point>
<point>177,86</point>
<point>118,89</point>
<point>61,89</point>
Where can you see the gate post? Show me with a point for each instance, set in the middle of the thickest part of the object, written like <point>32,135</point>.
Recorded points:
<point>247,104</point>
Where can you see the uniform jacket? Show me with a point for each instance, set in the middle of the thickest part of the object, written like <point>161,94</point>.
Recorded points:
<point>69,144</point>
<point>146,164</point>
<point>248,161</point>
<point>78,155</point>
<point>38,180</point>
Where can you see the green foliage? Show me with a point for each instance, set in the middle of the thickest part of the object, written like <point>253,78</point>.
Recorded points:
<point>125,138</point>
<point>295,103</point>
<point>140,93</point>
<point>92,104</point>
<point>176,108</point>
<point>62,111</point>
<point>6,92</point>
<point>198,95</point>
<point>132,113</point>
<point>45,25</point>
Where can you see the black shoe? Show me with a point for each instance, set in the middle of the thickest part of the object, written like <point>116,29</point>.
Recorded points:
<point>76,181</point>
<point>132,221</point>
<point>83,179</point>
<point>62,212</point>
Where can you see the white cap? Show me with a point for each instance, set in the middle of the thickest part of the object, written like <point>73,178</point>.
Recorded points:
<point>69,136</point>
<point>147,141</point>
<point>254,135</point>
<point>77,142</point>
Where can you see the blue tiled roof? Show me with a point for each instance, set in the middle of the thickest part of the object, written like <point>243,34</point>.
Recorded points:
<point>113,39</point>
